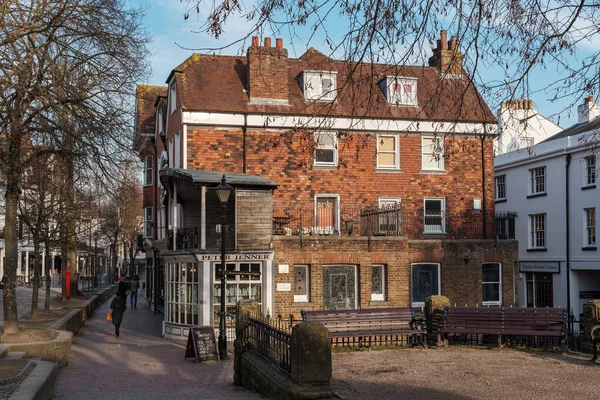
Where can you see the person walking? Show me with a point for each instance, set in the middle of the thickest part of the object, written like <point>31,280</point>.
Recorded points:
<point>118,306</point>
<point>135,285</point>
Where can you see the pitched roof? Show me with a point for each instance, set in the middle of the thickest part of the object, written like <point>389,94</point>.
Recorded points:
<point>212,178</point>
<point>146,97</point>
<point>219,84</point>
<point>593,125</point>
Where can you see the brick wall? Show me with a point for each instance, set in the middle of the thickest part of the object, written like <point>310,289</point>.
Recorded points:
<point>287,159</point>
<point>267,72</point>
<point>460,282</point>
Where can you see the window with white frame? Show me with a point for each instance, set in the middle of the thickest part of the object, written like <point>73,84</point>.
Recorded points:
<point>325,149</point>
<point>403,91</point>
<point>501,187</point>
<point>182,293</point>
<point>589,177</point>
<point>425,282</point>
<point>173,96</point>
<point>526,142</point>
<point>319,85</point>
<point>388,154</point>
<point>434,218</point>
<point>537,180</point>
<point>590,226</point>
<point>389,215</point>
<point>491,284</point>
<point>326,214</point>
<point>148,170</point>
<point>432,153</point>
<point>537,231</point>
<point>148,222</point>
<point>301,283</point>
<point>378,282</point>
<point>243,283</point>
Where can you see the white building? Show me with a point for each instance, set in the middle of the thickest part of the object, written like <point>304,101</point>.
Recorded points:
<point>552,187</point>
<point>520,126</point>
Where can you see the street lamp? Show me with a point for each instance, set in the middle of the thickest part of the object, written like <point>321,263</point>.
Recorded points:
<point>223,191</point>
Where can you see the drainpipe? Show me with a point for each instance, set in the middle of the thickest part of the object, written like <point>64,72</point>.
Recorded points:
<point>483,186</point>
<point>568,258</point>
<point>244,130</point>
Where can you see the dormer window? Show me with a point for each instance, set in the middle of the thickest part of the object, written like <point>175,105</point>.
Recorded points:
<point>400,90</point>
<point>319,85</point>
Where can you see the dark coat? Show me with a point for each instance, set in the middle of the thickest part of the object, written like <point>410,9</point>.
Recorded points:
<point>118,305</point>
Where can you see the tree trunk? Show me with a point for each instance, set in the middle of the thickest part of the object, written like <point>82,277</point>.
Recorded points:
<point>47,267</point>
<point>36,279</point>
<point>11,318</point>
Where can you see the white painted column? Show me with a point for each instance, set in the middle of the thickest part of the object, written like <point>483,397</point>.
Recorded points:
<point>1,263</point>
<point>19,263</point>
<point>175,216</point>
<point>203,218</point>
<point>268,282</point>
<point>43,263</point>
<point>206,294</point>
<point>27,266</point>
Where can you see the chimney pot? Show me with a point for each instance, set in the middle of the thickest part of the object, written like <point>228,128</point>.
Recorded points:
<point>530,105</point>
<point>279,43</point>
<point>267,42</point>
<point>453,43</point>
<point>589,99</point>
<point>444,40</point>
<point>254,40</point>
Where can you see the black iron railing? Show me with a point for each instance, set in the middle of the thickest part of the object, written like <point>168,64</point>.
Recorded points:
<point>307,218</point>
<point>271,339</point>
<point>189,238</point>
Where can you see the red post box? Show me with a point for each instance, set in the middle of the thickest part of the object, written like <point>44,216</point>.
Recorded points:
<point>68,283</point>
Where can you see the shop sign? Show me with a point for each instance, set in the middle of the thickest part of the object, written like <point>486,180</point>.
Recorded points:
<point>235,257</point>
<point>540,266</point>
<point>589,294</point>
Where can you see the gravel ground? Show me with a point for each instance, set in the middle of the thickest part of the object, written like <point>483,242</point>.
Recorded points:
<point>464,373</point>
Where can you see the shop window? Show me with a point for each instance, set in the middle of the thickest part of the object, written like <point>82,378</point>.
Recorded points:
<point>243,283</point>
<point>539,290</point>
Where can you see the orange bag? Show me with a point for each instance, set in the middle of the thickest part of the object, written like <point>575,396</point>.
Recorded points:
<point>109,316</point>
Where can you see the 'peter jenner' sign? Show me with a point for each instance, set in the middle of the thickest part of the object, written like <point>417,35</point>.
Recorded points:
<point>235,257</point>
<point>540,266</point>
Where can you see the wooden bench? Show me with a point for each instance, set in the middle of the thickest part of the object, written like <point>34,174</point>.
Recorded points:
<point>514,322</point>
<point>369,326</point>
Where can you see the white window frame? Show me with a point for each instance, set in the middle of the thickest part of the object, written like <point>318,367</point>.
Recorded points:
<point>589,223</point>
<point>387,202</point>
<point>396,152</point>
<point>439,279</point>
<point>398,97</point>
<point>172,96</point>
<point>148,222</point>
<point>537,179</point>
<point>177,150</point>
<point>323,229</point>
<point>302,298</point>
<point>589,171</point>
<point>326,146</point>
<point>379,296</point>
<point>534,239</point>
<point>312,85</point>
<point>526,142</point>
<point>432,153</point>
<point>427,228</point>
<point>499,283</point>
<point>148,162</point>
<point>500,184</point>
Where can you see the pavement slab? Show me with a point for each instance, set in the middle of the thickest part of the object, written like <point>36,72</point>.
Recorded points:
<point>140,364</point>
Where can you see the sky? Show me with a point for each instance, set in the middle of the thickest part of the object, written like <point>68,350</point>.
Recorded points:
<point>175,39</point>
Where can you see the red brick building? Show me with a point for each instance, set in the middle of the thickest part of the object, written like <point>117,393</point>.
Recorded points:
<point>383,174</point>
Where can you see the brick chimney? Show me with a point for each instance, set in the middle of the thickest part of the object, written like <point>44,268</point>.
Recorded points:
<point>517,105</point>
<point>588,111</point>
<point>446,56</point>
<point>268,73</point>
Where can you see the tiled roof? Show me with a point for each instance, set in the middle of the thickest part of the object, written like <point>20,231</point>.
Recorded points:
<point>593,125</point>
<point>146,97</point>
<point>212,178</point>
<point>218,84</point>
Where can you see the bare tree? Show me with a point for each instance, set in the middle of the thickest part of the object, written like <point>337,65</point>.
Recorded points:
<point>68,69</point>
<point>516,38</point>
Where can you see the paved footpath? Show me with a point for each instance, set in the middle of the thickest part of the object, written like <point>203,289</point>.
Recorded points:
<point>140,364</point>
<point>24,295</point>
